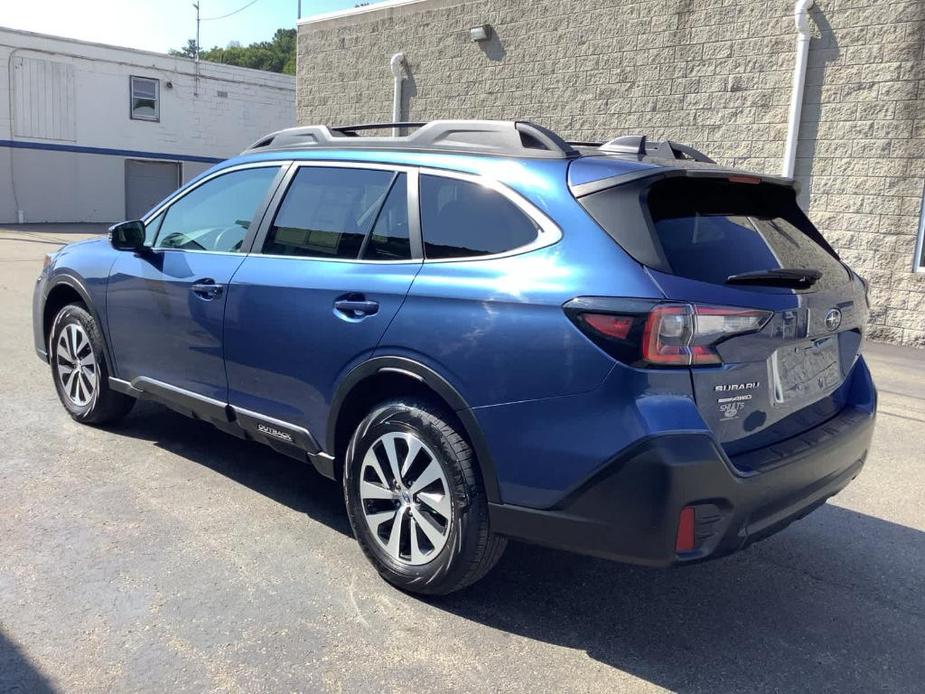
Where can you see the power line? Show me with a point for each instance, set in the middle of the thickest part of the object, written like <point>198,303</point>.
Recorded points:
<point>240,9</point>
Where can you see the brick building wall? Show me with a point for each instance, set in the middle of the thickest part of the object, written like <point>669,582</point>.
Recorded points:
<point>712,73</point>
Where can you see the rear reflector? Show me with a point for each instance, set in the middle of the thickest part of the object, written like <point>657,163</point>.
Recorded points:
<point>685,538</point>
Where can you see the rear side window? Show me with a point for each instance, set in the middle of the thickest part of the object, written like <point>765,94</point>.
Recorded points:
<point>461,219</point>
<point>711,229</point>
<point>328,212</point>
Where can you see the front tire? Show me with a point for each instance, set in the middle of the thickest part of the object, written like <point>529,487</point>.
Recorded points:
<point>415,499</point>
<point>78,367</point>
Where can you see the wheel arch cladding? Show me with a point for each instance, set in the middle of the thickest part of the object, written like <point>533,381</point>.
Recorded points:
<point>64,291</point>
<point>386,378</point>
<point>60,295</point>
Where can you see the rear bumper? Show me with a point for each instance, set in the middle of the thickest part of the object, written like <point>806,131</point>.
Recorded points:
<point>629,511</point>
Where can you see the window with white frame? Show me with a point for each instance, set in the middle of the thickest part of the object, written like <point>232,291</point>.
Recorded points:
<point>145,103</point>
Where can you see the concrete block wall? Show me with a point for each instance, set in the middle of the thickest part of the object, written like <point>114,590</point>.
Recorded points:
<point>861,157</point>
<point>712,73</point>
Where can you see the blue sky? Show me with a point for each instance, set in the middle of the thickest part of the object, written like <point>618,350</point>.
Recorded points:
<point>157,25</point>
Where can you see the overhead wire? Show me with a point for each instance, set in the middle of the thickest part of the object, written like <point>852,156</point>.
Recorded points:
<point>240,9</point>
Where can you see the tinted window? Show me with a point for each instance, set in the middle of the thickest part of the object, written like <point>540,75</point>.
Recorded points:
<point>712,229</point>
<point>462,219</point>
<point>216,215</point>
<point>389,238</point>
<point>327,212</point>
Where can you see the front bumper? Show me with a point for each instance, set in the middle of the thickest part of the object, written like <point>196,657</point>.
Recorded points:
<point>38,307</point>
<point>629,511</point>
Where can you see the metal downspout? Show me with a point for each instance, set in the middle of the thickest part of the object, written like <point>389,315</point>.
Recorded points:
<point>395,65</point>
<point>804,34</point>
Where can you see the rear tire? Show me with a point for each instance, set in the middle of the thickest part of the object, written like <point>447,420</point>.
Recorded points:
<point>408,464</point>
<point>78,367</point>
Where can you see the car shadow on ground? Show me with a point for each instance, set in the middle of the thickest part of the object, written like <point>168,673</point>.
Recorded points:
<point>833,603</point>
<point>254,465</point>
<point>17,674</point>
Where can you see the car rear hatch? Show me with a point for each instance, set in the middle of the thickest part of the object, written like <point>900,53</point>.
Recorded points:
<point>758,307</point>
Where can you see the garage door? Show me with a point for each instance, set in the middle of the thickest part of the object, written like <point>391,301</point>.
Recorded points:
<point>147,183</point>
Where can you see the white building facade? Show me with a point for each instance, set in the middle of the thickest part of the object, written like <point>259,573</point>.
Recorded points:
<point>97,133</point>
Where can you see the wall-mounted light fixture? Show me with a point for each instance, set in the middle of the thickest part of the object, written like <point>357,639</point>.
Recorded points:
<point>480,33</point>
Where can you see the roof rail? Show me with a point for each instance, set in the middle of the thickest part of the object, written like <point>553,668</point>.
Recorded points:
<point>642,147</point>
<point>506,138</point>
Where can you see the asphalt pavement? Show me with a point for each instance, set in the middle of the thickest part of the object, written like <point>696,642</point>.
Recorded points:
<point>162,555</point>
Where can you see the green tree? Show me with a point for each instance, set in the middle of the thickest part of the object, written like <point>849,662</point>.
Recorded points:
<point>276,55</point>
<point>188,51</point>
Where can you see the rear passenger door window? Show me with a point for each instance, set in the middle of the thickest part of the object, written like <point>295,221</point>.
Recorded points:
<point>462,219</point>
<point>340,213</point>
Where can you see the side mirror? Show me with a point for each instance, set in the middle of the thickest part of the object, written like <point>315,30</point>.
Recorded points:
<point>127,236</point>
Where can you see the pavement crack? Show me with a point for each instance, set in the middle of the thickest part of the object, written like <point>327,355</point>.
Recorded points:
<point>901,416</point>
<point>356,608</point>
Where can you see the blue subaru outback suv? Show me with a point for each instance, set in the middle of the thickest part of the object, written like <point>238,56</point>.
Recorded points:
<point>486,332</point>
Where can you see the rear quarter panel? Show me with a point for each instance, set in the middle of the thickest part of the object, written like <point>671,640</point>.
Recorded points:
<point>496,329</point>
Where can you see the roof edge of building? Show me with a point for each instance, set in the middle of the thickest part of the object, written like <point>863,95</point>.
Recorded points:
<point>204,64</point>
<point>367,13</point>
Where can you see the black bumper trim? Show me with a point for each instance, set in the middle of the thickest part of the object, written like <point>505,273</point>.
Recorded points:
<point>629,511</point>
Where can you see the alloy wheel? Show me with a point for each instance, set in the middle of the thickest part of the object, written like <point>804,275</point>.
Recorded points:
<point>76,365</point>
<point>405,498</point>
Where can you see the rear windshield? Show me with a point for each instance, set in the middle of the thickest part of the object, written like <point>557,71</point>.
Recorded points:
<point>710,229</point>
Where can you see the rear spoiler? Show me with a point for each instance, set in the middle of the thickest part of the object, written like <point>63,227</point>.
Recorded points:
<point>734,175</point>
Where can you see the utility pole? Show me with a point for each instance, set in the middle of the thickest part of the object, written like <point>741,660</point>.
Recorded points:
<point>299,13</point>
<point>196,87</point>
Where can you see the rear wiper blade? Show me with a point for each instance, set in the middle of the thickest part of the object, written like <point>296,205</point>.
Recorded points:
<point>793,278</point>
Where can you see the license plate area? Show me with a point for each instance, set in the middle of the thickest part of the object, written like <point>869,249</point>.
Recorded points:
<point>805,371</point>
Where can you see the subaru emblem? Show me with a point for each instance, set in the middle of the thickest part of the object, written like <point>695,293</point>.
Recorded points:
<point>832,320</point>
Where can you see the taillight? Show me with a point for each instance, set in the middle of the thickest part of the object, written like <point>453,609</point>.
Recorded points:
<point>662,334</point>
<point>613,326</point>
<point>866,289</point>
<point>667,335</point>
<point>686,334</point>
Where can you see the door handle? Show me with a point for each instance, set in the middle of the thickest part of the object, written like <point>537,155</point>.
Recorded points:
<point>207,289</point>
<point>356,308</point>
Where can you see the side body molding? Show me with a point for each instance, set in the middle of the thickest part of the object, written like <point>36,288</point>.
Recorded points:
<point>439,385</point>
<point>299,443</point>
<point>283,437</point>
